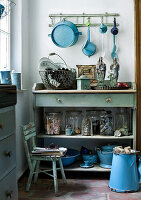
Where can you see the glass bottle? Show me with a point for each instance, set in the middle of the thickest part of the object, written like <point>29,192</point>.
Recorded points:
<point>86,126</point>
<point>95,122</point>
<point>106,123</point>
<point>53,123</point>
<point>73,120</point>
<point>122,121</point>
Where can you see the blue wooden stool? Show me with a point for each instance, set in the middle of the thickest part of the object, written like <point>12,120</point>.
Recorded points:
<point>29,133</point>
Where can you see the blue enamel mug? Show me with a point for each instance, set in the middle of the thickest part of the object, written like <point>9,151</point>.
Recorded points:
<point>16,79</point>
<point>69,131</point>
<point>5,77</point>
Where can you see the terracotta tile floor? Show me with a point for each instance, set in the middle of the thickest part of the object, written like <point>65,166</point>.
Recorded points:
<point>85,186</point>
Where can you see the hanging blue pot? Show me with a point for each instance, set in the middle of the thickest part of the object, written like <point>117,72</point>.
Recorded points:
<point>124,174</point>
<point>65,34</point>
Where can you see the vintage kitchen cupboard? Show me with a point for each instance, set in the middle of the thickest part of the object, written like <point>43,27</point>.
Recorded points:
<point>48,100</point>
<point>8,181</point>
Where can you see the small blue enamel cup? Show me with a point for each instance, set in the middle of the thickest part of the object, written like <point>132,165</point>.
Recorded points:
<point>16,79</point>
<point>5,77</point>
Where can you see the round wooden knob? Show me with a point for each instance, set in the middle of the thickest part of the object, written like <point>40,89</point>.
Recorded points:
<point>108,100</point>
<point>8,154</point>
<point>1,125</point>
<point>9,194</point>
<point>59,100</point>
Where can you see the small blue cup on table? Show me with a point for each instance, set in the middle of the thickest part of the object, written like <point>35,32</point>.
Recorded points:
<point>5,77</point>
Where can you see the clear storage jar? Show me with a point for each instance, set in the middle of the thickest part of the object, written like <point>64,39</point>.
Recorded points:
<point>73,120</point>
<point>106,123</point>
<point>53,123</point>
<point>122,121</point>
<point>94,116</point>
<point>86,126</point>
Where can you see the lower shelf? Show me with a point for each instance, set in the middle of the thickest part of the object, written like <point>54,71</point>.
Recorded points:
<point>76,167</point>
<point>82,137</point>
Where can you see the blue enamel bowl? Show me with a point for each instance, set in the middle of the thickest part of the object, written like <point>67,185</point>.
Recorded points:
<point>70,157</point>
<point>91,158</point>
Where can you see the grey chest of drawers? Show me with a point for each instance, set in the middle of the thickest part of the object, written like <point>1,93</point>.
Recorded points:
<point>8,181</point>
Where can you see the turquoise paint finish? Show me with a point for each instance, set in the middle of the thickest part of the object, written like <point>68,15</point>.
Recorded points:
<point>85,100</point>
<point>8,155</point>
<point>124,174</point>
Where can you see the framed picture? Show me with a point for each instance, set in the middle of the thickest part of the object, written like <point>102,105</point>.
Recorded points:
<point>89,71</point>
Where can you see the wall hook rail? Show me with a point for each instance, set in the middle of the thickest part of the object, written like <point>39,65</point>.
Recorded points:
<point>83,17</point>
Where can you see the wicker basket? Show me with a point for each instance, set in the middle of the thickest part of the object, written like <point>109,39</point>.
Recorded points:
<point>59,79</point>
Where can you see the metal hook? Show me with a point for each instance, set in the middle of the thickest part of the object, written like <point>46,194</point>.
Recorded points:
<point>102,20</point>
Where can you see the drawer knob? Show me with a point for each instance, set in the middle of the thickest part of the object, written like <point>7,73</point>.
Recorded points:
<point>1,125</point>
<point>59,100</point>
<point>9,194</point>
<point>8,154</point>
<point>108,100</point>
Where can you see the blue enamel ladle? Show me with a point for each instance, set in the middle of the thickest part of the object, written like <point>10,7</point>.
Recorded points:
<point>114,54</point>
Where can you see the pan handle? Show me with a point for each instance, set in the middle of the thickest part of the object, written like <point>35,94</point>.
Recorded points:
<point>78,33</point>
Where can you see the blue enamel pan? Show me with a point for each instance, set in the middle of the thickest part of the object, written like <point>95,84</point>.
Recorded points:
<point>89,48</point>
<point>65,34</point>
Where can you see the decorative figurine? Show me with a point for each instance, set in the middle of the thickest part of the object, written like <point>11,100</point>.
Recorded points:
<point>114,73</point>
<point>100,72</point>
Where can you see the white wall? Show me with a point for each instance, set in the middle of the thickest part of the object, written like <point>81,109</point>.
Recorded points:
<point>19,62</point>
<point>40,44</point>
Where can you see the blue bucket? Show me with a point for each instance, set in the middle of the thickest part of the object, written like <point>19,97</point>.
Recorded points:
<point>16,79</point>
<point>105,154</point>
<point>5,77</point>
<point>139,169</point>
<point>124,174</point>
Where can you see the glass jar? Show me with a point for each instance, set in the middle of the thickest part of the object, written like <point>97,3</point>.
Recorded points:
<point>106,123</point>
<point>86,126</point>
<point>53,123</point>
<point>95,121</point>
<point>122,121</point>
<point>73,120</point>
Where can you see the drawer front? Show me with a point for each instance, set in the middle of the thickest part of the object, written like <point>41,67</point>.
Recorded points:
<point>8,187</point>
<point>85,100</point>
<point>7,155</point>
<point>7,122</point>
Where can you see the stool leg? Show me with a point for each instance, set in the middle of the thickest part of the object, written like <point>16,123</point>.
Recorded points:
<point>30,175</point>
<point>37,171</point>
<point>62,170</point>
<point>55,176</point>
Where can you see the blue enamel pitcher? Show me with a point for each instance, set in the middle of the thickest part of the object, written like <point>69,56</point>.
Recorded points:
<point>124,174</point>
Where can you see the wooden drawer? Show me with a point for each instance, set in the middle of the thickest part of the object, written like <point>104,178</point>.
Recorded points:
<point>8,187</point>
<point>7,122</point>
<point>85,100</point>
<point>7,155</point>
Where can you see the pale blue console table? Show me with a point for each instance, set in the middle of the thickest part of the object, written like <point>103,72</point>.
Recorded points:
<point>52,99</point>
